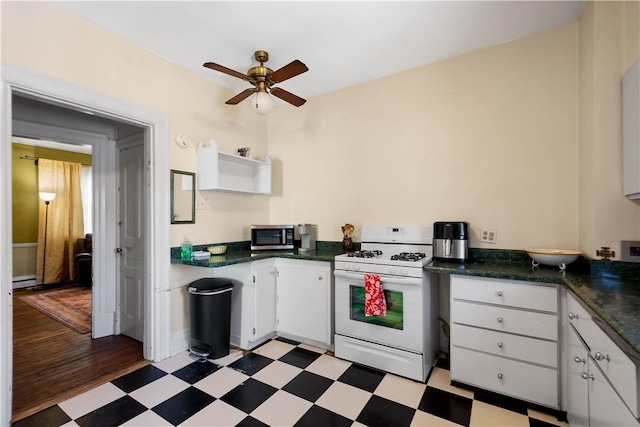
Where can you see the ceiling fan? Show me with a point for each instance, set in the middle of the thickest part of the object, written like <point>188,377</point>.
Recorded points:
<point>262,78</point>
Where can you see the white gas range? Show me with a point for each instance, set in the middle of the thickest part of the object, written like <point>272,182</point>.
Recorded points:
<point>405,340</point>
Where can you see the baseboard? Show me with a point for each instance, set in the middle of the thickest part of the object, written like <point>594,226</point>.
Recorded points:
<point>20,282</point>
<point>179,342</point>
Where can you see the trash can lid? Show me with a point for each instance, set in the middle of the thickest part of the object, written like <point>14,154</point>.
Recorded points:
<point>210,284</point>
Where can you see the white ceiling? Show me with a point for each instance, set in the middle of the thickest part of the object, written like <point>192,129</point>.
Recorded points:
<point>342,43</point>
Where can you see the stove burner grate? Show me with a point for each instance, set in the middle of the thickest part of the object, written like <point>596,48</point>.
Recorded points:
<point>408,256</point>
<point>364,254</point>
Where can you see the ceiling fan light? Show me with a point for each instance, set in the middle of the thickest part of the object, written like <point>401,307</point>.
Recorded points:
<point>262,102</point>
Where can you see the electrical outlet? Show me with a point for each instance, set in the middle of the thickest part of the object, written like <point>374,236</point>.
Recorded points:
<point>489,235</point>
<point>200,203</point>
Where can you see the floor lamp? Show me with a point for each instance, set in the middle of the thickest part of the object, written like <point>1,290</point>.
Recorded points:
<point>48,198</point>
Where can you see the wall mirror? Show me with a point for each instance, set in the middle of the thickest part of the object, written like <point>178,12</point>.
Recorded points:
<point>183,197</point>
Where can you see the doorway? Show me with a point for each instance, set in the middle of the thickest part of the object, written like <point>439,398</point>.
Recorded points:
<point>156,270</point>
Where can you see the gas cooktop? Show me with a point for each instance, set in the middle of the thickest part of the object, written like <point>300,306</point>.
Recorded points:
<point>408,256</point>
<point>364,254</point>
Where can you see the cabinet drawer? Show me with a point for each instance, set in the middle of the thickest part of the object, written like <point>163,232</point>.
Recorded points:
<point>517,379</point>
<point>619,369</point>
<point>539,325</point>
<point>505,292</point>
<point>499,343</point>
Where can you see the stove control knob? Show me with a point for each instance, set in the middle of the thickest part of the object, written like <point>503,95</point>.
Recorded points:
<point>392,270</point>
<point>356,267</point>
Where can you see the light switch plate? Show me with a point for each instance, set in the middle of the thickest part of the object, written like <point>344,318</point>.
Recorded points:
<point>199,203</point>
<point>489,235</point>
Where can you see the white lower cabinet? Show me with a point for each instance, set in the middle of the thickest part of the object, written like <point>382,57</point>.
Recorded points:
<point>287,297</point>
<point>253,302</point>
<point>504,337</point>
<point>601,381</point>
<point>304,293</point>
<point>264,279</point>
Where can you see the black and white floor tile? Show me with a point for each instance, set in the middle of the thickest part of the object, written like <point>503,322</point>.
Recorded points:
<point>282,383</point>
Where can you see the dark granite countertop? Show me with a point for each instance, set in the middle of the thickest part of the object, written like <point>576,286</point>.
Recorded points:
<point>240,252</point>
<point>609,290</point>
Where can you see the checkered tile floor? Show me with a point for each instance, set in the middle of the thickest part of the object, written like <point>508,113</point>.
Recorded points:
<point>282,383</point>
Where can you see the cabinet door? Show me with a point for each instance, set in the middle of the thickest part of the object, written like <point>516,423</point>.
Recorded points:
<point>605,406</point>
<point>265,301</point>
<point>303,303</point>
<point>577,387</point>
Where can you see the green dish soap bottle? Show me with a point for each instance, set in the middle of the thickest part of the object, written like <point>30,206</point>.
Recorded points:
<point>186,249</point>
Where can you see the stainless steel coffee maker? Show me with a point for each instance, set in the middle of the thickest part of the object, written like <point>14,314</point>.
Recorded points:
<point>308,236</point>
<point>450,240</point>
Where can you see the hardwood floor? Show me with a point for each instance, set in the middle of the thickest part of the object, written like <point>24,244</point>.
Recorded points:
<point>52,363</point>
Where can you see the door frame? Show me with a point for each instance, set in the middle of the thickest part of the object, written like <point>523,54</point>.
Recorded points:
<point>157,333</point>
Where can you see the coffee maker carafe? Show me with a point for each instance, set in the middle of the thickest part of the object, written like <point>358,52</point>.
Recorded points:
<point>308,235</point>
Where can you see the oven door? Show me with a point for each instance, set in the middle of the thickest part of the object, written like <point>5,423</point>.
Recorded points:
<point>402,327</point>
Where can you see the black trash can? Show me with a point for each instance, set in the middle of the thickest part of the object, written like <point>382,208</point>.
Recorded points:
<point>210,317</point>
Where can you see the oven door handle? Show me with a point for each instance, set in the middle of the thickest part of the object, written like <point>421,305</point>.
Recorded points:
<point>384,279</point>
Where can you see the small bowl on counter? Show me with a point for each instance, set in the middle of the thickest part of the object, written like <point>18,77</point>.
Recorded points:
<point>217,249</point>
<point>553,257</point>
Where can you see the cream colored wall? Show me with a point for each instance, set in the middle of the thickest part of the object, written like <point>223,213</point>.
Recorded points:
<point>24,256</point>
<point>488,137</point>
<point>47,39</point>
<point>609,43</point>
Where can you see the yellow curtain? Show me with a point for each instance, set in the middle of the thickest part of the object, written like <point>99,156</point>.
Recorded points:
<point>62,220</point>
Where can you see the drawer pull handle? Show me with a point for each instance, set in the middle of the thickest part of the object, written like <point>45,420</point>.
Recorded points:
<point>499,319</point>
<point>500,293</point>
<point>500,375</point>
<point>578,360</point>
<point>586,376</point>
<point>599,357</point>
<point>572,316</point>
<point>319,277</point>
<point>500,344</point>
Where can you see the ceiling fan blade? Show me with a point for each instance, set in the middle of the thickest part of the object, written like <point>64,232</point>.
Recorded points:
<point>287,96</point>
<point>240,97</point>
<point>225,70</point>
<point>290,70</point>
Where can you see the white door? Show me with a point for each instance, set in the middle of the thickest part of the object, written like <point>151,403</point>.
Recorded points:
<point>265,301</point>
<point>131,247</point>
<point>303,303</point>
<point>606,408</point>
<point>577,387</point>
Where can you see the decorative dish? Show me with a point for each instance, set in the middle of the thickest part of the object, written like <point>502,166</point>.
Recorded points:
<point>554,257</point>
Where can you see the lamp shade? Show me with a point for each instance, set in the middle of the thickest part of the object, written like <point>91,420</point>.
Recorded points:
<point>47,197</point>
<point>262,102</point>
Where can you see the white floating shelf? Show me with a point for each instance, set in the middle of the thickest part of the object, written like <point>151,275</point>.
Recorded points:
<point>230,173</point>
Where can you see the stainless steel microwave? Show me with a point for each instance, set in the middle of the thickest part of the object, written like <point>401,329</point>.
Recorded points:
<point>271,237</point>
